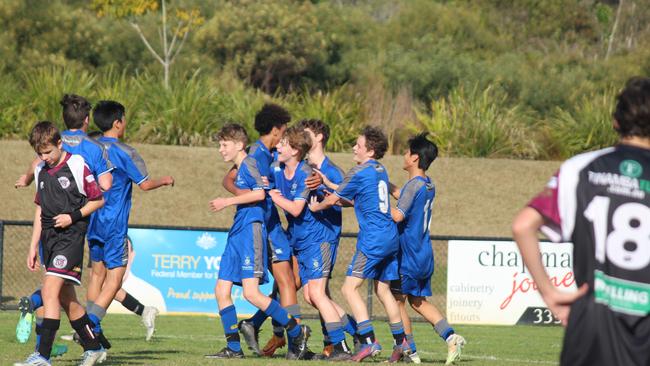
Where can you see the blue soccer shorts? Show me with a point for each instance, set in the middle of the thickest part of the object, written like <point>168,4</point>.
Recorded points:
<point>317,261</point>
<point>245,255</point>
<point>411,286</point>
<point>279,247</point>
<point>382,269</point>
<point>114,252</point>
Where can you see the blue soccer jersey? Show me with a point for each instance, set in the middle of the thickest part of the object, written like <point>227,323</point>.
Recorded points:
<point>111,221</point>
<point>93,152</point>
<point>332,216</point>
<point>416,253</point>
<point>265,158</point>
<point>306,230</point>
<point>367,185</point>
<point>248,177</point>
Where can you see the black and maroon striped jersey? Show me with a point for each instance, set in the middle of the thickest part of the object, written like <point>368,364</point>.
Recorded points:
<point>600,201</point>
<point>64,188</point>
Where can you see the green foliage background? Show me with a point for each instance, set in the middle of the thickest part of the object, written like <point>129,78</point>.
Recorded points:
<point>486,78</point>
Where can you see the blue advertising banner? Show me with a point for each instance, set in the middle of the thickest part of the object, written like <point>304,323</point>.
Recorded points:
<point>176,271</point>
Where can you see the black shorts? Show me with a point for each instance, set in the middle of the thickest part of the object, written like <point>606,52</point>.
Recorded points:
<point>63,251</point>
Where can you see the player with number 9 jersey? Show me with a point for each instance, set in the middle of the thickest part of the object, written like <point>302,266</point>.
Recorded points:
<point>600,201</point>
<point>367,185</point>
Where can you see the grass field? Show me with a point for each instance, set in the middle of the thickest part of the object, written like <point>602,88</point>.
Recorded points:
<point>183,340</point>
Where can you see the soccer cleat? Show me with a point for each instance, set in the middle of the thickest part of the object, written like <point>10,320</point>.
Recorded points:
<point>455,345</point>
<point>299,344</point>
<point>415,358</point>
<point>251,336</point>
<point>91,357</point>
<point>401,351</point>
<point>24,326</point>
<point>338,355</point>
<point>35,359</point>
<point>58,350</point>
<point>367,350</point>
<point>272,345</point>
<point>149,314</point>
<point>226,353</point>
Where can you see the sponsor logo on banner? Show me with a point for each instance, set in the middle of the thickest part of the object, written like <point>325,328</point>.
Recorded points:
<point>488,283</point>
<point>176,271</point>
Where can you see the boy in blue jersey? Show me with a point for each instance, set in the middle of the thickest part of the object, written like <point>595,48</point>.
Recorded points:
<point>366,185</point>
<point>244,261</point>
<point>415,256</point>
<point>313,241</point>
<point>107,232</point>
<point>270,122</point>
<point>332,217</point>
<point>75,112</point>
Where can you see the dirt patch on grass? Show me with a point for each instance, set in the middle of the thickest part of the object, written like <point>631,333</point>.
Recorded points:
<point>474,196</point>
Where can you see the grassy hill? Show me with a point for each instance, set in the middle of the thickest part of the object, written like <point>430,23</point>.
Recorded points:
<point>474,196</point>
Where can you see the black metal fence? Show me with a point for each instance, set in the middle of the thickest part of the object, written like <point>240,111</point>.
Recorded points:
<point>17,281</point>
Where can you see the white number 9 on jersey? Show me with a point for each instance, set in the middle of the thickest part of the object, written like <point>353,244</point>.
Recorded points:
<point>382,190</point>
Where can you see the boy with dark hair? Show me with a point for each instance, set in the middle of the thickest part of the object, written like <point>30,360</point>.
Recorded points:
<point>75,112</point>
<point>244,261</point>
<point>107,232</point>
<point>332,217</point>
<point>367,186</point>
<point>270,122</point>
<point>313,241</point>
<point>413,218</point>
<point>66,194</point>
<point>600,201</point>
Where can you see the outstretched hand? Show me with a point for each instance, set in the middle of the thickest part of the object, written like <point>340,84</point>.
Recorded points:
<point>314,180</point>
<point>314,205</point>
<point>560,302</point>
<point>21,181</point>
<point>218,204</point>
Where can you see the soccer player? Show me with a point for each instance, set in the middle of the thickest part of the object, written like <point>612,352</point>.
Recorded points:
<point>244,261</point>
<point>319,133</point>
<point>312,240</point>
<point>415,256</point>
<point>270,123</point>
<point>376,256</point>
<point>76,112</point>
<point>108,227</point>
<point>66,194</point>
<point>600,201</point>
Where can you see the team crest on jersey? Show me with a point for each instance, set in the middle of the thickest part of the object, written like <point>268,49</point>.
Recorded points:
<point>630,168</point>
<point>64,182</point>
<point>315,263</point>
<point>294,187</point>
<point>247,261</point>
<point>60,261</point>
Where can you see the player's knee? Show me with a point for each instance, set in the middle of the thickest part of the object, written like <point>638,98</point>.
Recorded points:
<point>221,293</point>
<point>252,294</point>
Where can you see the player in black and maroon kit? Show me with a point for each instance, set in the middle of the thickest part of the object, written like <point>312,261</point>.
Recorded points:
<point>600,201</point>
<point>66,194</point>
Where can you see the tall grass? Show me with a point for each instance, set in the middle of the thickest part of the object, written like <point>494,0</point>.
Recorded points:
<point>478,123</point>
<point>470,122</point>
<point>587,127</point>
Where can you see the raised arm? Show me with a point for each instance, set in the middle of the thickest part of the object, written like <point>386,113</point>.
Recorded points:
<point>27,178</point>
<point>220,203</point>
<point>151,184</point>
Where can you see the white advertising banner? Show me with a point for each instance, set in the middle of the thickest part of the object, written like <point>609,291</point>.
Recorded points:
<point>487,282</point>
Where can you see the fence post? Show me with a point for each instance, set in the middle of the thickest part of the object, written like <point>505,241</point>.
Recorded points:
<point>371,283</point>
<point>2,237</point>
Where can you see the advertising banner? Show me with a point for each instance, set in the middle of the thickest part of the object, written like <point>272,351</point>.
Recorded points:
<point>487,282</point>
<point>176,271</point>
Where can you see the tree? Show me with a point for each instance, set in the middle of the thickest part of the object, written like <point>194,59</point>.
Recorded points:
<point>172,38</point>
